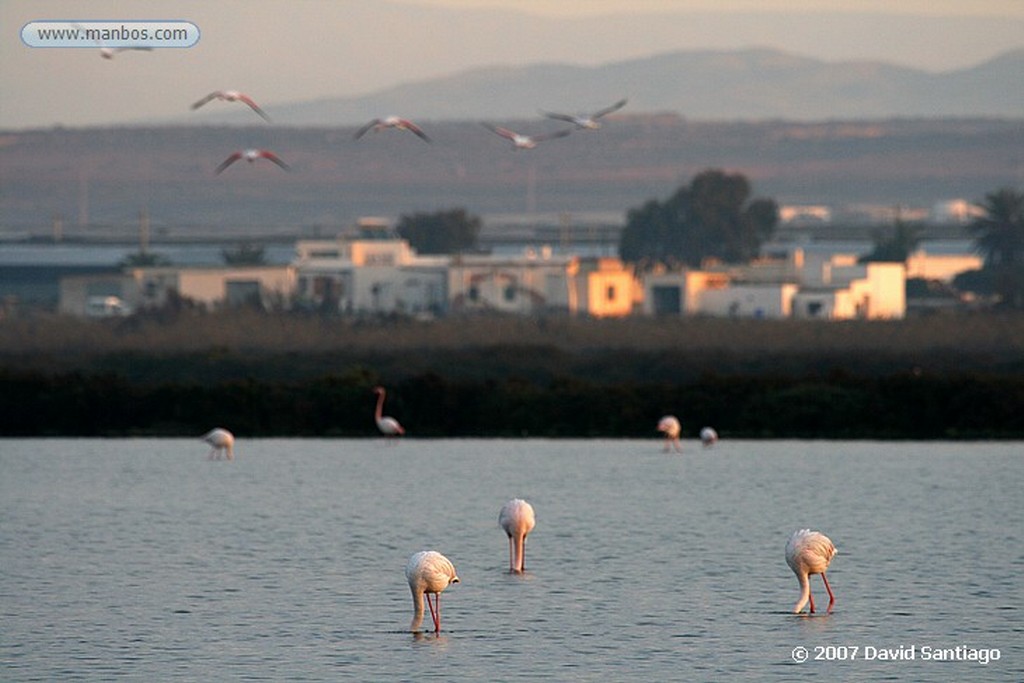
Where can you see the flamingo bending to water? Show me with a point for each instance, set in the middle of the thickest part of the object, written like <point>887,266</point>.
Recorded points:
<point>387,425</point>
<point>222,442</point>
<point>670,427</point>
<point>251,155</point>
<point>429,573</point>
<point>517,519</point>
<point>810,552</point>
<point>232,96</point>
<point>708,436</point>
<point>586,121</point>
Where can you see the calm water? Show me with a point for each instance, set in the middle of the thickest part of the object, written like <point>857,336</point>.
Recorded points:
<point>139,559</point>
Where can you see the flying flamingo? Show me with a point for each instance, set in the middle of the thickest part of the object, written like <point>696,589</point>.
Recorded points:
<point>584,121</point>
<point>109,52</point>
<point>395,122</point>
<point>708,436</point>
<point>232,96</point>
<point>810,552</point>
<point>517,519</point>
<point>387,425</point>
<point>251,155</point>
<point>222,441</point>
<point>670,427</point>
<point>520,141</point>
<point>428,572</point>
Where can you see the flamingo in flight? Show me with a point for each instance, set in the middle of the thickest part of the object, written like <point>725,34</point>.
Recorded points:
<point>586,121</point>
<point>520,141</point>
<point>387,425</point>
<point>395,122</point>
<point>251,155</point>
<point>670,427</point>
<point>810,552</point>
<point>708,436</point>
<point>222,442</point>
<point>429,573</point>
<point>109,52</point>
<point>232,96</point>
<point>517,519</point>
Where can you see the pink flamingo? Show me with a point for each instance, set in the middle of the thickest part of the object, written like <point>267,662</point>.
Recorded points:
<point>670,427</point>
<point>232,96</point>
<point>810,552</point>
<point>221,441</point>
<point>429,573</point>
<point>517,519</point>
<point>387,425</point>
<point>395,122</point>
<point>251,155</point>
<point>520,141</point>
<point>586,121</point>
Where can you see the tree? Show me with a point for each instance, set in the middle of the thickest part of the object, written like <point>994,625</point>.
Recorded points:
<point>244,255</point>
<point>442,232</point>
<point>896,246</point>
<point>999,235</point>
<point>713,217</point>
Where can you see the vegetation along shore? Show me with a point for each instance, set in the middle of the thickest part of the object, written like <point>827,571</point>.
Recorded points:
<point>260,374</point>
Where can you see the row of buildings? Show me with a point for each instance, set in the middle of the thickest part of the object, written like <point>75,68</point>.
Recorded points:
<point>372,272</point>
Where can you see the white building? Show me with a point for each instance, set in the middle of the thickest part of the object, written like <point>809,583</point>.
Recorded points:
<point>136,289</point>
<point>372,273</point>
<point>797,285</point>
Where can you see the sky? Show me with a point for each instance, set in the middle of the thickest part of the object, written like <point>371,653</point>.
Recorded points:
<point>282,51</point>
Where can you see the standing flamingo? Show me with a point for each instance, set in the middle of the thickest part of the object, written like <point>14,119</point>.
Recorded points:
<point>387,425</point>
<point>708,436</point>
<point>517,519</point>
<point>232,96</point>
<point>670,427</point>
<point>428,572</point>
<point>395,122</point>
<point>222,441</point>
<point>810,552</point>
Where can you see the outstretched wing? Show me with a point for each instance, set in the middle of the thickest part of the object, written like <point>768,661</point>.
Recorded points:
<point>255,107</point>
<point>206,99</point>
<point>608,110</point>
<point>227,162</point>
<point>413,128</point>
<point>561,117</point>
<point>365,129</point>
<point>551,136</point>
<point>276,159</point>
<point>503,132</point>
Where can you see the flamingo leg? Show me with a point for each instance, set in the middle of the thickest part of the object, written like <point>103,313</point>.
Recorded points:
<point>811,598</point>
<point>522,555</point>
<point>831,598</point>
<point>435,614</point>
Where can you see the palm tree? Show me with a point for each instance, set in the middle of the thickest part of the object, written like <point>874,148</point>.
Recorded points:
<point>999,235</point>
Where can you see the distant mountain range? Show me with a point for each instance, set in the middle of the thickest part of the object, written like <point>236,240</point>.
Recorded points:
<point>754,84</point>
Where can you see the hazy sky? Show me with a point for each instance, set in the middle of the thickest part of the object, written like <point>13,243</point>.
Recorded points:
<point>288,50</point>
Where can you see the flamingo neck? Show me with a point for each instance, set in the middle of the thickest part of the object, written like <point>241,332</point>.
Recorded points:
<point>805,593</point>
<point>517,545</point>
<point>417,617</point>
<point>380,406</point>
